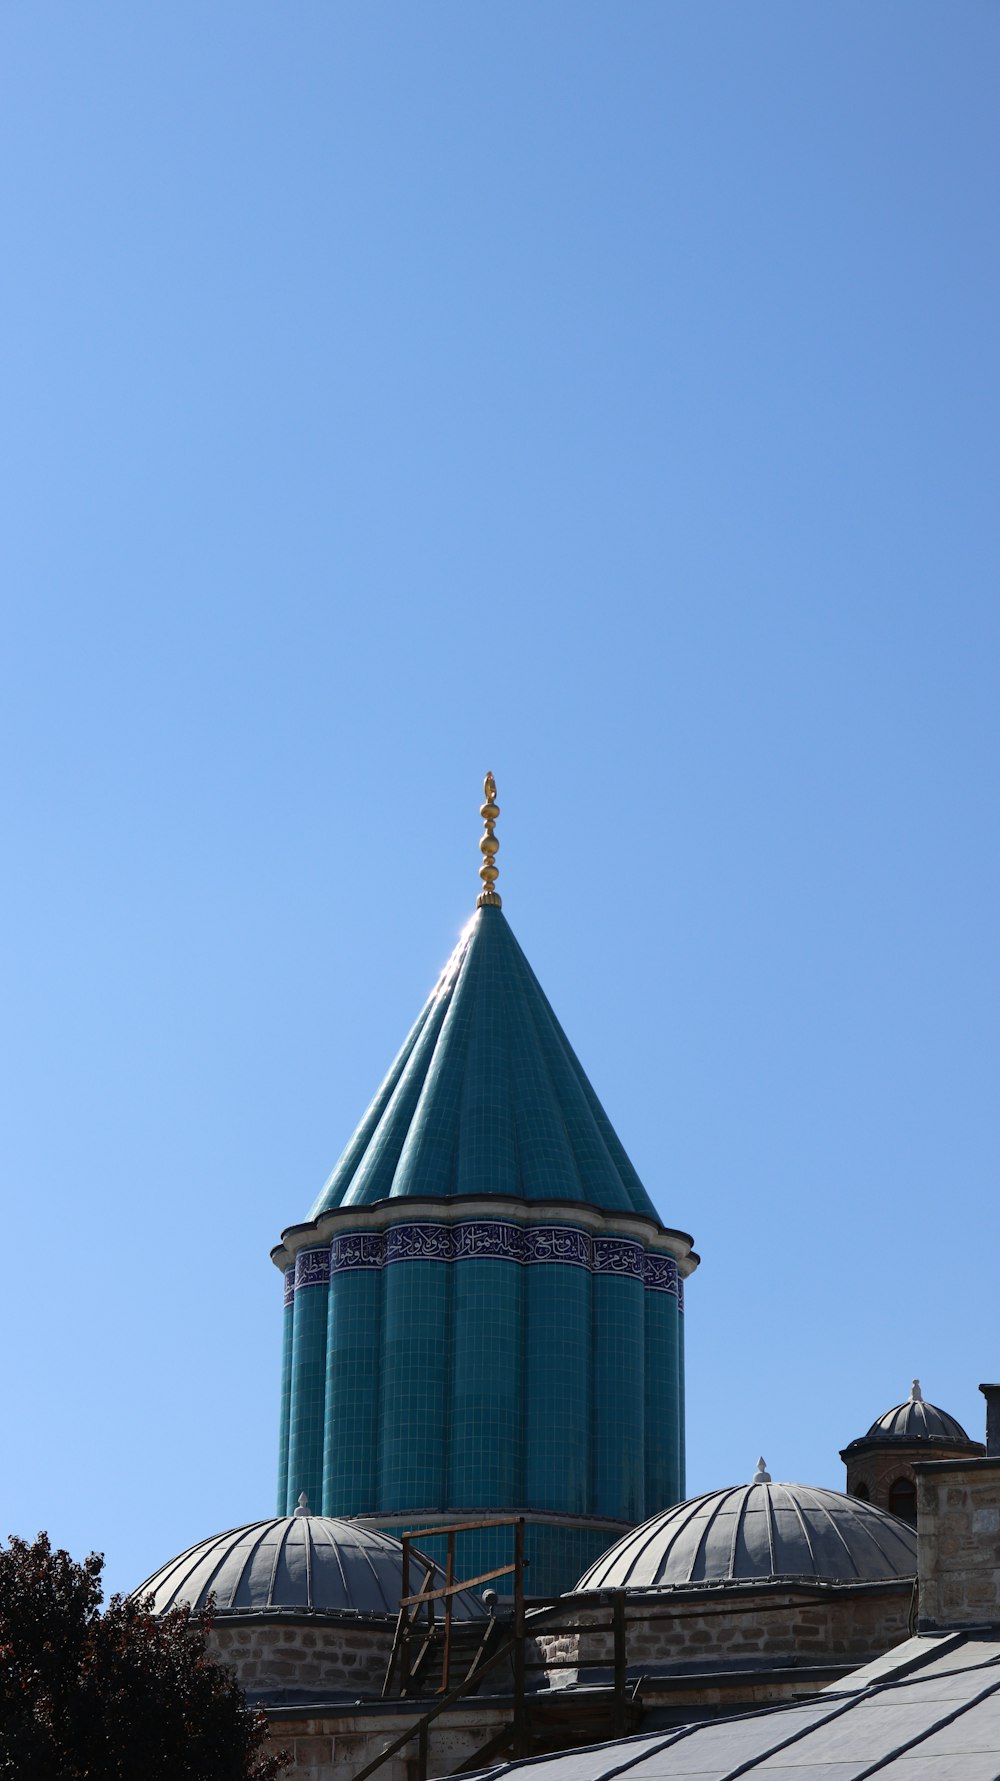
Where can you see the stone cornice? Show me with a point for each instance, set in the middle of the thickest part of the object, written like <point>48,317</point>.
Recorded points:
<point>689,1596</point>
<point>928,1468</point>
<point>913,1447</point>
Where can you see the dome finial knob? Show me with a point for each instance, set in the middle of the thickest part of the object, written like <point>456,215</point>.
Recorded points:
<point>916,1395</point>
<point>762,1475</point>
<point>302,1506</point>
<point>489,847</point>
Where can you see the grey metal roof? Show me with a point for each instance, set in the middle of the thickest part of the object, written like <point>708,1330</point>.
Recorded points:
<point>296,1563</point>
<point>916,1421</point>
<point>757,1531</point>
<point>930,1711</point>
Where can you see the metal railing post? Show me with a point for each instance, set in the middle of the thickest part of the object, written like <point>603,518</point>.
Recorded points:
<point>448,1603</point>
<point>520,1726</point>
<point>404,1643</point>
<point>621,1664</point>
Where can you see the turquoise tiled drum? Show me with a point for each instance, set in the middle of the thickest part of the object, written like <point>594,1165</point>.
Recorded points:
<point>485,1309</point>
<point>556,1401</point>
<point>618,1396</point>
<point>663,1408</point>
<point>413,1390</point>
<point>353,1376</point>
<point>485,1457</point>
<point>308,1378</point>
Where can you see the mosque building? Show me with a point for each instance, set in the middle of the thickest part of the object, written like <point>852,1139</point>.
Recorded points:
<point>483,1321</point>
<point>483,1310</point>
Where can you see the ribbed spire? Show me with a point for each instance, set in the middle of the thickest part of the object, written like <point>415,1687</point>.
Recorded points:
<point>486,1096</point>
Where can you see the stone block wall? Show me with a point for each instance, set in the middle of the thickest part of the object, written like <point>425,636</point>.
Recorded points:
<point>958,1543</point>
<point>337,1745</point>
<point>282,1655</point>
<point>810,1624</point>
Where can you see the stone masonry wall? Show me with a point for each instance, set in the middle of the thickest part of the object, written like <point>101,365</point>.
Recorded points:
<point>271,1656</point>
<point>793,1625</point>
<point>958,1543</point>
<point>336,1747</point>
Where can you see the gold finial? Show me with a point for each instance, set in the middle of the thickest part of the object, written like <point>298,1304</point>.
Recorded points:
<point>489,897</point>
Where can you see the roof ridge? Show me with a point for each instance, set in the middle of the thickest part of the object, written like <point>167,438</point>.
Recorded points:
<point>524,1009</point>
<point>434,1120</point>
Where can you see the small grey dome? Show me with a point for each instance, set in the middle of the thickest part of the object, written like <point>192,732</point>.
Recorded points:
<point>297,1563</point>
<point>916,1421</point>
<point>752,1532</point>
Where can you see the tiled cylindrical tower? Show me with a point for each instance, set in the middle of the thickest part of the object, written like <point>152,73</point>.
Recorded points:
<point>483,1311</point>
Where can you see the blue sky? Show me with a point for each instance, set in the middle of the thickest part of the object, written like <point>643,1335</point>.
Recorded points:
<point>604,395</point>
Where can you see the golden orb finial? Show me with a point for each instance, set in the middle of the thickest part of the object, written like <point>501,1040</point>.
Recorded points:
<point>489,847</point>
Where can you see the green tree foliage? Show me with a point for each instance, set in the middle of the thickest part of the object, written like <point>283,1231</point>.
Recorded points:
<point>92,1696</point>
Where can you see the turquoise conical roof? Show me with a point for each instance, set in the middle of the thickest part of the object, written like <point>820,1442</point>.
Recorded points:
<point>486,1097</point>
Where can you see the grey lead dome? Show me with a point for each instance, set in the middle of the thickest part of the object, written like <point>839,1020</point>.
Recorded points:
<point>916,1421</point>
<point>752,1532</point>
<point>296,1564</point>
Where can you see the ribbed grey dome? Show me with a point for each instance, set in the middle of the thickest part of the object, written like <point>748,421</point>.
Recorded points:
<point>755,1531</point>
<point>303,1563</point>
<point>916,1421</point>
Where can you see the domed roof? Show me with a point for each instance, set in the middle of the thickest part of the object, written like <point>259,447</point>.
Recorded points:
<point>916,1421</point>
<point>296,1563</point>
<point>755,1531</point>
<point>486,1097</point>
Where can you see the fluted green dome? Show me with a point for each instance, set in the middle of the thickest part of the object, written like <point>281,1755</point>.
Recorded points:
<point>486,1096</point>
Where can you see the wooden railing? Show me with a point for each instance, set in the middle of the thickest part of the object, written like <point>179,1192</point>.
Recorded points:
<point>417,1613</point>
<point>418,1626</point>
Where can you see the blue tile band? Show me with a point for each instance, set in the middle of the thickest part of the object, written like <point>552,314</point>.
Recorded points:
<point>312,1268</point>
<point>484,1239</point>
<point>616,1255</point>
<point>659,1274</point>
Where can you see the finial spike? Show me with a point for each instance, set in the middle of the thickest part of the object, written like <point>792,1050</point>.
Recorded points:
<point>302,1506</point>
<point>489,846</point>
<point>762,1475</point>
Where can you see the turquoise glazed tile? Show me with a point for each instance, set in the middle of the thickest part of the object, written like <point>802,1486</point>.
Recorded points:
<point>486,1096</point>
<point>451,1362</point>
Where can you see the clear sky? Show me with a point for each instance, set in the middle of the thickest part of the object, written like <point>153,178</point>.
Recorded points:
<point>606,395</point>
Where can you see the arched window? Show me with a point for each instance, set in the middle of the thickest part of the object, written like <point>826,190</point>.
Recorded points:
<point>903,1500</point>
<point>861,1490</point>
